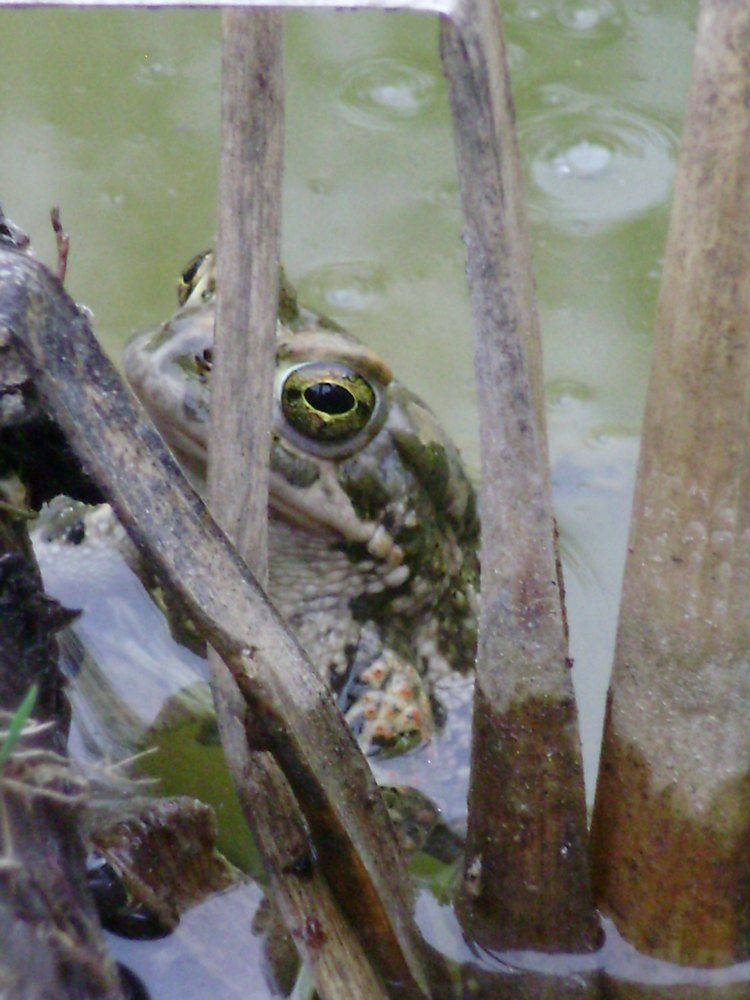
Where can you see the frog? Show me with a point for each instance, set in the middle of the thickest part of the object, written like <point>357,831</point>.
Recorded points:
<point>373,518</point>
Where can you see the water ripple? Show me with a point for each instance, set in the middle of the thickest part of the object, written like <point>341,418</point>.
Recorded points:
<point>564,394</point>
<point>586,20</point>
<point>590,162</point>
<point>591,18</point>
<point>349,286</point>
<point>384,93</point>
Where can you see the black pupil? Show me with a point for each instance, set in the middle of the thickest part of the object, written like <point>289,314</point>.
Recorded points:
<point>329,397</point>
<point>189,273</point>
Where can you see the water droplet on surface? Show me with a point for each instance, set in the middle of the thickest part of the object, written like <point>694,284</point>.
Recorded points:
<point>591,163</point>
<point>344,286</point>
<point>590,18</point>
<point>563,394</point>
<point>584,160</point>
<point>605,434</point>
<point>385,93</point>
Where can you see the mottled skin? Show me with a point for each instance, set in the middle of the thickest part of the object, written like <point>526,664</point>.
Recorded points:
<point>373,520</point>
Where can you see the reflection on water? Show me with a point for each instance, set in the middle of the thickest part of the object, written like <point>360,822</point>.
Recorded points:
<point>114,115</point>
<point>189,965</point>
<point>440,770</point>
<point>622,962</point>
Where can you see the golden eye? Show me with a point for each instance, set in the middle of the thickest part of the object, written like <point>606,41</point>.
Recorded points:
<point>195,272</point>
<point>327,402</point>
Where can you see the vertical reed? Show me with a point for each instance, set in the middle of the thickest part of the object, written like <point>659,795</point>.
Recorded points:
<point>249,236</point>
<point>672,817</point>
<point>526,882</point>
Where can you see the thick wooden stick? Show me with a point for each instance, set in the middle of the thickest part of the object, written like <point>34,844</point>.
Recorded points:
<point>252,152</point>
<point>526,881</point>
<point>241,381</point>
<point>672,816</point>
<point>287,710</point>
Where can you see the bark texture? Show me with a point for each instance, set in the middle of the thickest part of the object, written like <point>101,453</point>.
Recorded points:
<point>51,939</point>
<point>526,881</point>
<point>671,828</point>
<point>350,954</point>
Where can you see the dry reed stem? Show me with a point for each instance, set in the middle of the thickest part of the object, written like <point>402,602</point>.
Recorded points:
<point>672,817</point>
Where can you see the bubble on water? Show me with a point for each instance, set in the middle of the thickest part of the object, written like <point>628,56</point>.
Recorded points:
<point>587,20</point>
<point>344,286</point>
<point>516,56</point>
<point>563,394</point>
<point>113,198</point>
<point>532,11</point>
<point>151,71</point>
<point>384,93</point>
<point>581,18</point>
<point>591,162</point>
<point>590,18</point>
<point>605,435</point>
<point>444,193</point>
<point>584,160</point>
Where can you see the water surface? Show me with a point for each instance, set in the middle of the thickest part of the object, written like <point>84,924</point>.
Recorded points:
<point>113,115</point>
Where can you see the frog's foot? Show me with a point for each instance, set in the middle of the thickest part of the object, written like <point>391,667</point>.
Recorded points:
<point>392,710</point>
<point>67,522</point>
<point>419,825</point>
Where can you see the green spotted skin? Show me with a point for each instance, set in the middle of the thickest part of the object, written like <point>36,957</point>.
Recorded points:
<point>373,531</point>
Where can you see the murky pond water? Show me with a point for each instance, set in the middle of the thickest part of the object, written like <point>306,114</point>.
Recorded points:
<point>114,116</point>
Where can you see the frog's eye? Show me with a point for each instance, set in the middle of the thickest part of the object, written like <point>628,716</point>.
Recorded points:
<point>197,271</point>
<point>327,402</point>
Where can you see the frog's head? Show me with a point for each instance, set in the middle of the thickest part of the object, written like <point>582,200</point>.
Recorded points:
<point>354,453</point>
<point>374,528</point>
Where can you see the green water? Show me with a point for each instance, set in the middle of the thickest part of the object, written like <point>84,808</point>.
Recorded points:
<point>113,115</point>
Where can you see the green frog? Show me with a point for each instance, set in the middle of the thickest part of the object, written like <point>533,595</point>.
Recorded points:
<point>373,524</point>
